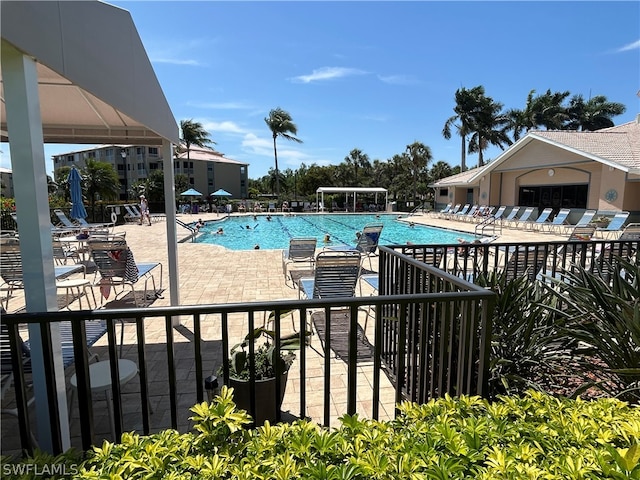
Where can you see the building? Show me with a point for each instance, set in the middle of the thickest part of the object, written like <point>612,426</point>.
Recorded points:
<point>206,169</point>
<point>6,182</point>
<point>560,169</point>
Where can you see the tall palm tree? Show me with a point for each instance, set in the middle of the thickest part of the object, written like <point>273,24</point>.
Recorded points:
<point>594,114</point>
<point>193,133</point>
<point>420,155</point>
<point>357,159</point>
<point>467,103</point>
<point>281,125</point>
<point>544,110</point>
<point>491,126</point>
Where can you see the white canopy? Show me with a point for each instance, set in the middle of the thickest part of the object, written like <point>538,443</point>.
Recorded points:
<point>355,190</point>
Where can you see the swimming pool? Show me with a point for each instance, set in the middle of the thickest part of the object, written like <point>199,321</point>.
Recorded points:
<point>342,228</point>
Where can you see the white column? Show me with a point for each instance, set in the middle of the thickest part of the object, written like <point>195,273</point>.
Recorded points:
<point>24,125</point>
<point>172,238</point>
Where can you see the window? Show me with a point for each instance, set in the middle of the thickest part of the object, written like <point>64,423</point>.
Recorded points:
<point>185,164</point>
<point>555,196</point>
<point>444,192</point>
<point>139,150</point>
<point>242,170</point>
<point>120,167</point>
<point>153,166</point>
<point>153,151</point>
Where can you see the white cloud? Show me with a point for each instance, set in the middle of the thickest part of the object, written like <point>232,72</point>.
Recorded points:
<point>631,46</point>
<point>398,79</point>
<point>328,73</point>
<point>226,126</point>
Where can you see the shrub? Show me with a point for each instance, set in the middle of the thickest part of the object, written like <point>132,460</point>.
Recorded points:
<point>536,436</point>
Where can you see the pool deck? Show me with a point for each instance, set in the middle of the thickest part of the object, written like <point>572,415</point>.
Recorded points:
<point>209,274</point>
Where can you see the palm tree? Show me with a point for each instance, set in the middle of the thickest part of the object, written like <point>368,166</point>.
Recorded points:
<point>420,155</point>
<point>542,110</point>
<point>100,179</point>
<point>593,114</point>
<point>490,129</point>
<point>357,159</point>
<point>467,102</point>
<point>193,133</point>
<point>281,125</point>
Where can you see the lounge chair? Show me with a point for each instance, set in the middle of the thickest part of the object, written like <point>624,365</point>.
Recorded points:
<point>499,213</point>
<point>512,215</point>
<point>131,216</point>
<point>271,208</point>
<point>300,250</point>
<point>526,215</point>
<point>11,271</point>
<point>80,223</point>
<point>582,234</point>
<point>452,211</point>
<point>470,213</point>
<point>367,243</point>
<point>335,276</point>
<point>631,232</point>
<point>615,225</point>
<point>116,266</point>
<point>540,221</point>
<point>558,221</point>
<point>461,212</point>
<point>443,211</point>
<point>526,261</point>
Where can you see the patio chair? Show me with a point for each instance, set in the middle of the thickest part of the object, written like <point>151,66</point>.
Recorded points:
<point>540,221</point>
<point>631,232</point>
<point>470,213</point>
<point>615,225</point>
<point>443,211</point>
<point>582,233</point>
<point>367,243</point>
<point>271,207</point>
<point>131,216</point>
<point>512,215</point>
<point>558,221</point>
<point>335,276</point>
<point>526,215</point>
<point>64,220</point>
<point>116,266</point>
<point>461,212</point>
<point>300,250</point>
<point>452,211</point>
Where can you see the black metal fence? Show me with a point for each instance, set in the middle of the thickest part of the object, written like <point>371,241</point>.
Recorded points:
<point>461,309</point>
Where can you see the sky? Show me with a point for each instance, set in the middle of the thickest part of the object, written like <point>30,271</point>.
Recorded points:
<point>376,76</point>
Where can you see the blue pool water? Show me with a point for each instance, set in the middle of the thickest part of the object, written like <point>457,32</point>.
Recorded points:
<point>342,228</point>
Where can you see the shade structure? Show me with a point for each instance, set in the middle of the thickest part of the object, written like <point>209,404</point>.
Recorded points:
<point>192,192</point>
<point>75,187</point>
<point>221,193</point>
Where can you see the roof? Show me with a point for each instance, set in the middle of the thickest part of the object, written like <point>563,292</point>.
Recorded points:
<point>208,155</point>
<point>617,147</point>
<point>351,189</point>
<point>459,179</point>
<point>92,88</point>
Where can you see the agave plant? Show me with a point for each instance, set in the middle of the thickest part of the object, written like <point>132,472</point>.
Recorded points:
<point>603,315</point>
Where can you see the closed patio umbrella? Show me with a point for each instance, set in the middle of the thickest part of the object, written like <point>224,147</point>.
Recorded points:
<point>75,187</point>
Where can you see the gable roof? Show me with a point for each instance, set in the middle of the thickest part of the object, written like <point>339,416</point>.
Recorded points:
<point>207,155</point>
<point>617,147</point>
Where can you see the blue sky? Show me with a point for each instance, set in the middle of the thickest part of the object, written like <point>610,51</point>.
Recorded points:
<point>375,76</point>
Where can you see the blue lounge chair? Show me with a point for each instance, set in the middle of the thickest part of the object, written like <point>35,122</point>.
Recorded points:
<point>615,225</point>
<point>526,215</point>
<point>512,215</point>
<point>367,244</point>
<point>542,218</point>
<point>558,221</point>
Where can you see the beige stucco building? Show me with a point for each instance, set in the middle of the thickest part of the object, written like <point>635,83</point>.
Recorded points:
<point>206,169</point>
<point>560,169</point>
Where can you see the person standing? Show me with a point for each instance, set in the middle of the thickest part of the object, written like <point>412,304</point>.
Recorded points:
<point>144,210</point>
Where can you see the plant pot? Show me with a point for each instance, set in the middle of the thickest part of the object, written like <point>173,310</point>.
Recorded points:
<point>266,408</point>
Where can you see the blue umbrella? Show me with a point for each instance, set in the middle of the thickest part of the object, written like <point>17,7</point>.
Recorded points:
<point>75,187</point>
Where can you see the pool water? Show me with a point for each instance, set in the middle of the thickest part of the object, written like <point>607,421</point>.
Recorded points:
<point>276,233</point>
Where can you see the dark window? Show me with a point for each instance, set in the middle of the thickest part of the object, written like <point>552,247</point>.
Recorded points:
<point>153,150</point>
<point>444,192</point>
<point>153,166</point>
<point>555,196</point>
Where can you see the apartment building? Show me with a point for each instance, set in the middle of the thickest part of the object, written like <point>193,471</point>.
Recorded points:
<point>206,169</point>
<point>6,182</point>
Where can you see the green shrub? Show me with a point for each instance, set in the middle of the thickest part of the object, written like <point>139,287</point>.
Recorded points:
<point>535,436</point>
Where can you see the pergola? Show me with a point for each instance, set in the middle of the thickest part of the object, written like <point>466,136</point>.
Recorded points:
<point>347,190</point>
<point>64,83</point>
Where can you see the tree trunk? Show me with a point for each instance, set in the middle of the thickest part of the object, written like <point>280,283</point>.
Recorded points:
<point>275,155</point>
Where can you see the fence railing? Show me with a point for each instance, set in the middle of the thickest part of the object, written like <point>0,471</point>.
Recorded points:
<point>429,303</point>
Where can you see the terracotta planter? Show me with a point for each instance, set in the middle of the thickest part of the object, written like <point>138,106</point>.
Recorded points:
<point>266,408</point>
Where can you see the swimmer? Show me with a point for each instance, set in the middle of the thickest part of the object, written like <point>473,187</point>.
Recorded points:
<point>220,231</point>
<point>248,227</point>
<point>257,247</point>
<point>327,238</point>
<point>255,217</point>
<point>411,224</point>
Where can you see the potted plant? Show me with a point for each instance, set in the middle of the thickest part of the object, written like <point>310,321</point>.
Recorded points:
<point>268,361</point>
<point>601,221</point>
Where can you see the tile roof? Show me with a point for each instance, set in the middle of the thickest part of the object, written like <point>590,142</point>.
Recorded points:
<point>619,144</point>
<point>461,178</point>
